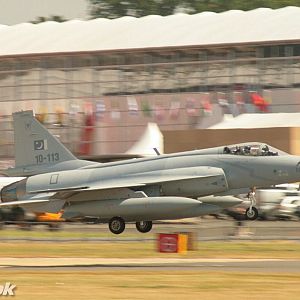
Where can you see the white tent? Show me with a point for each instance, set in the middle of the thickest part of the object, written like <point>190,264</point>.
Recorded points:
<point>151,138</point>
<point>207,28</point>
<point>260,121</point>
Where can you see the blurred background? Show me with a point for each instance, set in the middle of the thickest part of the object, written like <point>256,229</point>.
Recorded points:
<point>204,74</point>
<point>96,83</point>
<point>96,73</point>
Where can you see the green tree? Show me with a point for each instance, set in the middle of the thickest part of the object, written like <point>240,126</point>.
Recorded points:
<point>224,5</point>
<point>138,8</point>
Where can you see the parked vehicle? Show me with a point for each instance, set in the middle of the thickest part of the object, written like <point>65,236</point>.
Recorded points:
<point>278,202</point>
<point>288,208</point>
<point>25,220</point>
<point>269,201</point>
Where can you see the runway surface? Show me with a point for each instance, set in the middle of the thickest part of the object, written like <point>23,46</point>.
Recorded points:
<point>159,264</point>
<point>208,229</point>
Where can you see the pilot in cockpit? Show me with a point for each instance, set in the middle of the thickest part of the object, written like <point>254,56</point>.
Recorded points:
<point>265,149</point>
<point>226,150</point>
<point>247,149</point>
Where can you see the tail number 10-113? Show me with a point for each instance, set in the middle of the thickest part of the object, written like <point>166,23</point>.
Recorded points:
<point>49,158</point>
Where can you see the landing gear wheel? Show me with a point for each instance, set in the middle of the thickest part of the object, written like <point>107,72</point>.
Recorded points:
<point>116,225</point>
<point>251,213</point>
<point>144,226</point>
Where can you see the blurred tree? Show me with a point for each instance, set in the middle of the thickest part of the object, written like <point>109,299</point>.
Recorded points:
<point>51,18</point>
<point>138,8</point>
<point>223,5</point>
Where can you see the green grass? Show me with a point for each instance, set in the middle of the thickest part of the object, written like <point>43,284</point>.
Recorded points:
<point>231,249</point>
<point>114,248</point>
<point>41,233</point>
<point>131,284</point>
<point>153,285</point>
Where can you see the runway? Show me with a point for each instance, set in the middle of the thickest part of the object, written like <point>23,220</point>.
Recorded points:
<point>159,264</point>
<point>208,229</point>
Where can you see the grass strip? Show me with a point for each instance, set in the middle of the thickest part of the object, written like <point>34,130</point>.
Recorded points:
<point>131,284</point>
<point>227,249</point>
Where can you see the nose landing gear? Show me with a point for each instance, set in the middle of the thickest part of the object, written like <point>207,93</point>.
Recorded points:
<point>252,212</point>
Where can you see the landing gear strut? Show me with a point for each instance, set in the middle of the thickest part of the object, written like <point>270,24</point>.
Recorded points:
<point>116,225</point>
<point>252,212</point>
<point>144,226</point>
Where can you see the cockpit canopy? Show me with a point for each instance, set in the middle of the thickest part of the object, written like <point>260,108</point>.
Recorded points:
<point>252,149</point>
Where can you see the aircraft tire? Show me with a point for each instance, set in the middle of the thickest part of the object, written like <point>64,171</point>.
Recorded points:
<point>252,215</point>
<point>116,225</point>
<point>143,226</point>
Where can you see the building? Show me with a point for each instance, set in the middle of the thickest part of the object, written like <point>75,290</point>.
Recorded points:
<point>281,130</point>
<point>102,80</point>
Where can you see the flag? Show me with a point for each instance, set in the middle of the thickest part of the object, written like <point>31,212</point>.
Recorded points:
<point>191,109</point>
<point>174,110</point>
<point>115,110</point>
<point>146,108</point>
<point>207,107</point>
<point>100,109</point>
<point>132,106</point>
<point>259,102</point>
<point>40,145</point>
<point>159,112</point>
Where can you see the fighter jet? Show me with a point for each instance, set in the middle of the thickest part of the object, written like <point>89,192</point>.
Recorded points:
<point>138,190</point>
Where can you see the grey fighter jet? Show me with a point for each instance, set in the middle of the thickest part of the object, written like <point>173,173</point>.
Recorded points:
<point>137,190</point>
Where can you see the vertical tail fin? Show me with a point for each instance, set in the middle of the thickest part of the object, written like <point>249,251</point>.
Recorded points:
<point>34,144</point>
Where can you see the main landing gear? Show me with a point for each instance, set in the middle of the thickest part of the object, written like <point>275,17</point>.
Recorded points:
<point>144,226</point>
<point>117,225</point>
<point>252,212</point>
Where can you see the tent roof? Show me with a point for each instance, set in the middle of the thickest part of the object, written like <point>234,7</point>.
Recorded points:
<point>179,30</point>
<point>260,120</point>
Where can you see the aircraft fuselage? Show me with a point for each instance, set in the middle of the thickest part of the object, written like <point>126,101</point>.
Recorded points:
<point>186,174</point>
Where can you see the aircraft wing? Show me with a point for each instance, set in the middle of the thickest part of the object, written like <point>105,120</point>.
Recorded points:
<point>46,195</point>
<point>139,182</point>
<point>21,202</point>
<point>49,205</point>
<point>65,188</point>
<point>113,184</point>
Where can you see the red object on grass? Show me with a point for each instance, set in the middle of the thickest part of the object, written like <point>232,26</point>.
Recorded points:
<point>168,242</point>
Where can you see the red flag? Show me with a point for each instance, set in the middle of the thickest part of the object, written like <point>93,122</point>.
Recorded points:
<point>259,102</point>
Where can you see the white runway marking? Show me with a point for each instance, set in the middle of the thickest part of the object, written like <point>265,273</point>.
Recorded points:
<point>76,261</point>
